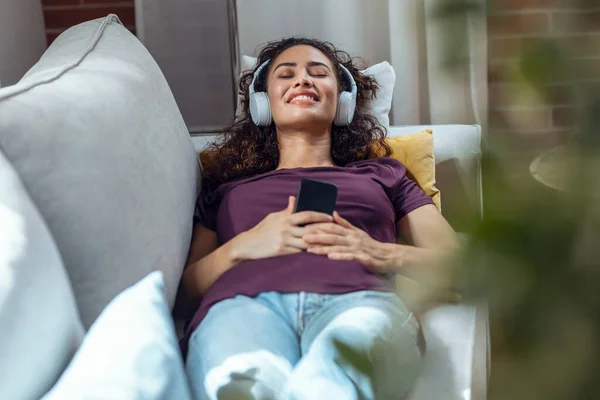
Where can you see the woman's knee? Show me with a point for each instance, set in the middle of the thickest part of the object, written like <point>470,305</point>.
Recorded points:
<point>376,347</point>
<point>241,350</point>
<point>252,375</point>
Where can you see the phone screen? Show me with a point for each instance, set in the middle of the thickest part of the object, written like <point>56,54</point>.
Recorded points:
<point>317,196</point>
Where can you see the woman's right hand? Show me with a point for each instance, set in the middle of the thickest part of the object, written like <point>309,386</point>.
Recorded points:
<point>277,234</point>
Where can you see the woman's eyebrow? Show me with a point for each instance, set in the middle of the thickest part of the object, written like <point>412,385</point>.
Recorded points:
<point>310,64</point>
<point>285,64</point>
<point>317,64</point>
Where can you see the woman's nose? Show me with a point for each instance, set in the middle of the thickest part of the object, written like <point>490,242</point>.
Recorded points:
<point>303,80</point>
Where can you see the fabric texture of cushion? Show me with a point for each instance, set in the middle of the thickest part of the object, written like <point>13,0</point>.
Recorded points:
<point>95,134</point>
<point>39,325</point>
<point>130,352</point>
<point>415,152</point>
<point>379,107</point>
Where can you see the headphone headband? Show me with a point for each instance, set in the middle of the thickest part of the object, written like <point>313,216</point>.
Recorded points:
<point>256,74</point>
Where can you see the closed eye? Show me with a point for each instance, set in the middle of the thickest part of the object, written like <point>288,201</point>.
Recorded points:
<point>315,75</point>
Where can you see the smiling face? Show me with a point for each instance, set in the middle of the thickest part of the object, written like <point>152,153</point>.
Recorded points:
<point>302,89</point>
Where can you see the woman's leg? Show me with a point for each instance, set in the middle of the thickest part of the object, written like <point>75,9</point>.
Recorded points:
<point>245,348</point>
<point>377,330</point>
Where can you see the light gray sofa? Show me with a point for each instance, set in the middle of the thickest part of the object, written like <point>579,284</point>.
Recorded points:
<point>98,179</point>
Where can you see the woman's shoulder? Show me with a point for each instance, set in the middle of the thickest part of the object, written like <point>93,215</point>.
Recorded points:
<point>222,189</point>
<point>384,164</point>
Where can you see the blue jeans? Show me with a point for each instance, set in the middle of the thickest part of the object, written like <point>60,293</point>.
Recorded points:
<point>286,346</point>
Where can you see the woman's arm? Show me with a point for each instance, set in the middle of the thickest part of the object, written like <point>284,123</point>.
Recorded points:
<point>205,263</point>
<point>425,227</point>
<point>432,244</point>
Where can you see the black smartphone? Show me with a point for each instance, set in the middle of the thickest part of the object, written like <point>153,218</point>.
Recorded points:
<point>316,196</point>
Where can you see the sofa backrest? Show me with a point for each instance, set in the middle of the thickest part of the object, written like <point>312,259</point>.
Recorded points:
<point>95,134</point>
<point>457,150</point>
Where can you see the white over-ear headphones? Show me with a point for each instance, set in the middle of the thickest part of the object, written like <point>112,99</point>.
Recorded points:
<point>260,109</point>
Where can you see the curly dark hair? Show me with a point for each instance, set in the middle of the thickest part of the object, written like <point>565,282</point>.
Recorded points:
<point>244,149</point>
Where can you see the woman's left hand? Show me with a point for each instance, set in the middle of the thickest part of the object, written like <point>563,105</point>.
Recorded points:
<point>340,240</point>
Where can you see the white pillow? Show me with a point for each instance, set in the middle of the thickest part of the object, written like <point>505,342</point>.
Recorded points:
<point>40,328</point>
<point>379,107</point>
<point>130,352</point>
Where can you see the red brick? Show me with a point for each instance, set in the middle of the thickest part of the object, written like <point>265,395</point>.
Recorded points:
<point>519,119</point>
<point>563,117</point>
<point>500,94</point>
<point>46,3</point>
<point>501,71</point>
<point>561,94</point>
<point>580,69</point>
<point>50,37</point>
<point>587,69</point>
<point>524,24</point>
<point>64,18</point>
<point>576,22</point>
<point>518,5</point>
<point>505,6</point>
<point>505,70</point>
<point>496,74</point>
<point>512,47</point>
<point>574,46</point>
<point>106,2</point>
<point>500,48</point>
<point>515,95</point>
<point>582,45</point>
<point>525,141</point>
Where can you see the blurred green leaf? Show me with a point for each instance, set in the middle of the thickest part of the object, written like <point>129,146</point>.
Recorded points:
<point>350,356</point>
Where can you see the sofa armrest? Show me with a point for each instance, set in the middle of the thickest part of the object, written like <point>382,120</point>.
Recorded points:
<point>457,347</point>
<point>481,353</point>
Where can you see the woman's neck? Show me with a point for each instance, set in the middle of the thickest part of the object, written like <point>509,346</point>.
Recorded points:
<point>304,149</point>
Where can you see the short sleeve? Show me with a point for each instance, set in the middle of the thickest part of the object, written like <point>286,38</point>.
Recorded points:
<point>406,194</point>
<point>206,213</point>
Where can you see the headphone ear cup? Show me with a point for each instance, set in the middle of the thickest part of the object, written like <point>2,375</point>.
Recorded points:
<point>345,109</point>
<point>260,109</point>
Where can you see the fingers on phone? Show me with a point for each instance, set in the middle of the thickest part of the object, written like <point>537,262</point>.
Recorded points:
<point>291,204</point>
<point>310,217</point>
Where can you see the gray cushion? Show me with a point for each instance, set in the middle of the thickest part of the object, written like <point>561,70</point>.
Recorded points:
<point>95,134</point>
<point>39,325</point>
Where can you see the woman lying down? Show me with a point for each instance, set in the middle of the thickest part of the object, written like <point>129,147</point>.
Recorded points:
<point>282,297</point>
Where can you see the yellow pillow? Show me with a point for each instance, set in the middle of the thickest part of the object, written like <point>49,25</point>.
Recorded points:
<point>415,152</point>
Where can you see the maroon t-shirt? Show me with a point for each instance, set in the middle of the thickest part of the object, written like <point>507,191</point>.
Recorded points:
<point>372,194</point>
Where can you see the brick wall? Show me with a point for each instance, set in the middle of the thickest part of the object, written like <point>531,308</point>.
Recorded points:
<point>516,26</point>
<point>62,14</point>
